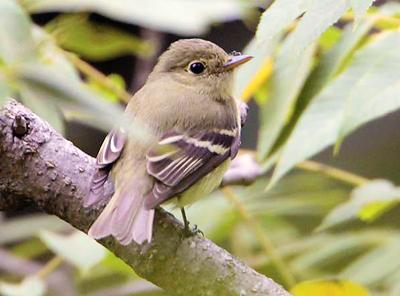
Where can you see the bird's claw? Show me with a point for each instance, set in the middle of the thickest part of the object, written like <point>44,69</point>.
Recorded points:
<point>192,231</point>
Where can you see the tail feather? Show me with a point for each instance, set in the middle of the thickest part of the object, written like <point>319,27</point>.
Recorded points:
<point>126,219</point>
<point>144,229</point>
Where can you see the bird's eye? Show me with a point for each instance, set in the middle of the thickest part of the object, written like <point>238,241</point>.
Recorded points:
<point>197,67</point>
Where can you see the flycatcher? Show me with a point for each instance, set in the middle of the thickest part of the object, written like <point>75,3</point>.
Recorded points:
<point>187,103</point>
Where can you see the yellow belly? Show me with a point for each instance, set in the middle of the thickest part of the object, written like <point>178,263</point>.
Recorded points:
<point>203,187</point>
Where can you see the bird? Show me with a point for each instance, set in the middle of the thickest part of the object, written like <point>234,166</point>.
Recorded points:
<point>188,105</point>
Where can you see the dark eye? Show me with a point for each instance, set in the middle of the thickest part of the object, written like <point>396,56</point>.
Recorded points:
<point>197,67</point>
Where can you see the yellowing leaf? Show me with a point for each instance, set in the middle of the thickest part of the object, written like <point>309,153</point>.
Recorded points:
<point>329,288</point>
<point>367,202</point>
<point>262,76</point>
<point>330,37</point>
<point>372,211</point>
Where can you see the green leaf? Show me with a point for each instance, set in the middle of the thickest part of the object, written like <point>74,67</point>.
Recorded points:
<point>316,18</point>
<point>117,265</point>
<point>319,16</point>
<point>336,248</point>
<point>30,286</point>
<point>376,265</point>
<point>77,248</point>
<point>190,17</point>
<point>284,87</point>
<point>48,83</point>
<point>330,37</point>
<point>377,86</point>
<point>329,65</point>
<point>5,90</point>
<point>22,228</point>
<point>367,202</point>
<point>51,56</point>
<point>44,109</point>
<point>16,43</point>
<point>280,14</point>
<point>352,99</point>
<point>106,92</point>
<point>252,75</point>
<point>360,7</point>
<point>93,41</point>
<point>334,60</point>
<point>29,249</point>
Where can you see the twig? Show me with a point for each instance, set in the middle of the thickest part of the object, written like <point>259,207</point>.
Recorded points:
<point>332,172</point>
<point>99,77</point>
<point>58,281</point>
<point>50,267</point>
<point>265,242</point>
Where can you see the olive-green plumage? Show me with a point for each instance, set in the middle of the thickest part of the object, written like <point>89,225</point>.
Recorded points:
<point>187,103</point>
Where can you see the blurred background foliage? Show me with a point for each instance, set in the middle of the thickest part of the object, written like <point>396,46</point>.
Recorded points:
<point>322,70</point>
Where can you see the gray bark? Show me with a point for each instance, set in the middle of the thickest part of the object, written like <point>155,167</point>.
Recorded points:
<point>39,167</point>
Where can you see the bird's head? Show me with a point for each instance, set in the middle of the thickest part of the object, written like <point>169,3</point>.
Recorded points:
<point>200,65</point>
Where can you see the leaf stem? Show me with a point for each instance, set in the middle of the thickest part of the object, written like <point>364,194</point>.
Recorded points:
<point>332,172</point>
<point>52,265</point>
<point>259,232</point>
<point>99,77</point>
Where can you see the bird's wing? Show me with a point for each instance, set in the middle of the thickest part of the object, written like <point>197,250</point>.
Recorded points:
<point>110,151</point>
<point>193,155</point>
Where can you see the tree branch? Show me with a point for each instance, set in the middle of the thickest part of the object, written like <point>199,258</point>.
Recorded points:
<point>43,169</point>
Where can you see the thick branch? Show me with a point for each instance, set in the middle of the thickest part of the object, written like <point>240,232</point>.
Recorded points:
<point>43,169</point>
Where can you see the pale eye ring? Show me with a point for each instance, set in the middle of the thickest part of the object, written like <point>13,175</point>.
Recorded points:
<point>197,67</point>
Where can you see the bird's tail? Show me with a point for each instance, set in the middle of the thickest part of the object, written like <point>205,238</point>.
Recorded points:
<point>125,218</point>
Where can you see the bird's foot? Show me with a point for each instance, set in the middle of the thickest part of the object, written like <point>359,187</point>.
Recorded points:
<point>192,231</point>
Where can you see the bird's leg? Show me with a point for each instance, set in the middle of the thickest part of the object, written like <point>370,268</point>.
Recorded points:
<point>185,221</point>
<point>189,231</point>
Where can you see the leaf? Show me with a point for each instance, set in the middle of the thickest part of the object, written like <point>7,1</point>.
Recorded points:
<point>95,42</point>
<point>106,92</point>
<point>329,288</point>
<point>21,228</point>
<point>255,73</point>
<point>334,60</point>
<point>383,54</point>
<point>315,17</point>
<point>49,84</point>
<point>367,202</point>
<point>330,37</point>
<point>319,16</point>
<point>329,65</point>
<point>337,248</point>
<point>30,286</point>
<point>280,14</point>
<point>44,109</point>
<point>390,8</point>
<point>180,17</point>
<point>376,265</point>
<point>116,264</point>
<point>352,99</point>
<point>51,56</point>
<point>5,90</point>
<point>284,87</point>
<point>77,248</point>
<point>16,43</point>
<point>360,7</point>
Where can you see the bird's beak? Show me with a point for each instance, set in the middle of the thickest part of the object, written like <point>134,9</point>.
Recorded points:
<point>235,61</point>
